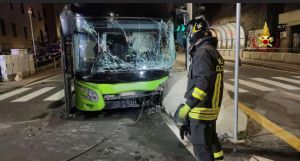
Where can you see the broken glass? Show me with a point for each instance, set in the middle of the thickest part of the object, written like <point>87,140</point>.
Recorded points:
<point>123,45</point>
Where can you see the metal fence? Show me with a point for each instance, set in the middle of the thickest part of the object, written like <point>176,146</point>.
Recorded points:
<point>47,61</point>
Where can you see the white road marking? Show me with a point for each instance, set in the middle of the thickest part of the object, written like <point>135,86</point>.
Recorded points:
<point>278,84</point>
<point>12,93</point>
<point>287,79</point>
<point>290,95</point>
<point>297,76</point>
<point>254,85</point>
<point>34,94</point>
<point>230,87</point>
<point>57,96</point>
<point>227,71</point>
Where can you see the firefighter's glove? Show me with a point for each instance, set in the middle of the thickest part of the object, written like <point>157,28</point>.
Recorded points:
<point>184,130</point>
<point>184,111</point>
<point>182,120</point>
<point>181,114</point>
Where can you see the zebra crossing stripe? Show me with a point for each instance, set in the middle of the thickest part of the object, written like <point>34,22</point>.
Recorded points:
<point>230,87</point>
<point>33,95</point>
<point>278,84</point>
<point>57,96</point>
<point>254,85</point>
<point>287,79</point>
<point>13,93</point>
<point>297,76</point>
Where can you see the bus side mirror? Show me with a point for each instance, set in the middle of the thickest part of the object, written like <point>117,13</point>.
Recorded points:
<point>67,22</point>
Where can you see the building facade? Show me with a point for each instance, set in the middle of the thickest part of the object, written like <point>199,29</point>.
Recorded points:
<point>52,21</point>
<point>290,35</point>
<point>15,29</point>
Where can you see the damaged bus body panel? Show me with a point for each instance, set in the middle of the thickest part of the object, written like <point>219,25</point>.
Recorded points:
<point>120,62</point>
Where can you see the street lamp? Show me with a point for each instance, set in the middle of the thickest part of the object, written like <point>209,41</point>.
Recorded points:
<point>29,10</point>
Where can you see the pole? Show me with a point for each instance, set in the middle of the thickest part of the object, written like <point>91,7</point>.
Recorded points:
<point>236,75</point>
<point>189,7</point>
<point>65,44</point>
<point>32,35</point>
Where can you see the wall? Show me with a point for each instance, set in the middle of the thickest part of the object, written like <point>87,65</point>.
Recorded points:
<point>52,21</point>
<point>266,56</point>
<point>253,16</point>
<point>14,16</point>
<point>58,8</point>
<point>290,18</point>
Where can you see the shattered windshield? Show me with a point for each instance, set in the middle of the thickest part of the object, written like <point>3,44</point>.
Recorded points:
<point>122,45</point>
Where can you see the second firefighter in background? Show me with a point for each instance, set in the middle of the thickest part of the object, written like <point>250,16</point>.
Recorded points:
<point>199,113</point>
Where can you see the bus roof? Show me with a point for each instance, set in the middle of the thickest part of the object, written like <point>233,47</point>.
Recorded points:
<point>162,11</point>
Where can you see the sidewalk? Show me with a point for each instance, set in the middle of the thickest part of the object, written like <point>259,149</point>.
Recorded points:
<point>179,64</point>
<point>8,86</point>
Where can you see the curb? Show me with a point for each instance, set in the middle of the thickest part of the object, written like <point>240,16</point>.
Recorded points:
<point>36,80</point>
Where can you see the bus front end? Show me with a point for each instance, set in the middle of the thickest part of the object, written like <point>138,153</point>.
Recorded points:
<point>121,62</point>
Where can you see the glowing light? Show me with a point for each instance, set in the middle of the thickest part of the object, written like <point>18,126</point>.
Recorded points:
<point>141,73</point>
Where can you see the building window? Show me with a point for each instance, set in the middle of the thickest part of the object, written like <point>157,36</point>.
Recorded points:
<point>2,27</point>
<point>46,27</point>
<point>25,32</point>
<point>14,29</point>
<point>44,12</point>
<point>33,14</point>
<point>42,36</point>
<point>11,6</point>
<point>39,16</point>
<point>22,9</point>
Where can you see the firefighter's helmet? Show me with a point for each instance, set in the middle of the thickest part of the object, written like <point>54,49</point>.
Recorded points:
<point>198,28</point>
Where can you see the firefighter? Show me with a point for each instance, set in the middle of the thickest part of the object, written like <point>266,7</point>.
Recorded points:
<point>198,115</point>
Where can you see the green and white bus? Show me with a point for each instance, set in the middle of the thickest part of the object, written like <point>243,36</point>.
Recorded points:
<point>115,61</point>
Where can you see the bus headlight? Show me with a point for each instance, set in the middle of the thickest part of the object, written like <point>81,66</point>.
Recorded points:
<point>92,95</point>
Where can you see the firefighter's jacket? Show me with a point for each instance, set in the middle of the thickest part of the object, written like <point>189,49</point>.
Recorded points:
<point>205,81</point>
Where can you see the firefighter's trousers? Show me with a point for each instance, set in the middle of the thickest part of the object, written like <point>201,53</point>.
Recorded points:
<point>205,141</point>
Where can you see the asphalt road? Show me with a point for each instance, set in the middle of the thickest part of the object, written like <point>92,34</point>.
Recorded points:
<point>30,102</point>
<point>31,129</point>
<point>273,93</point>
